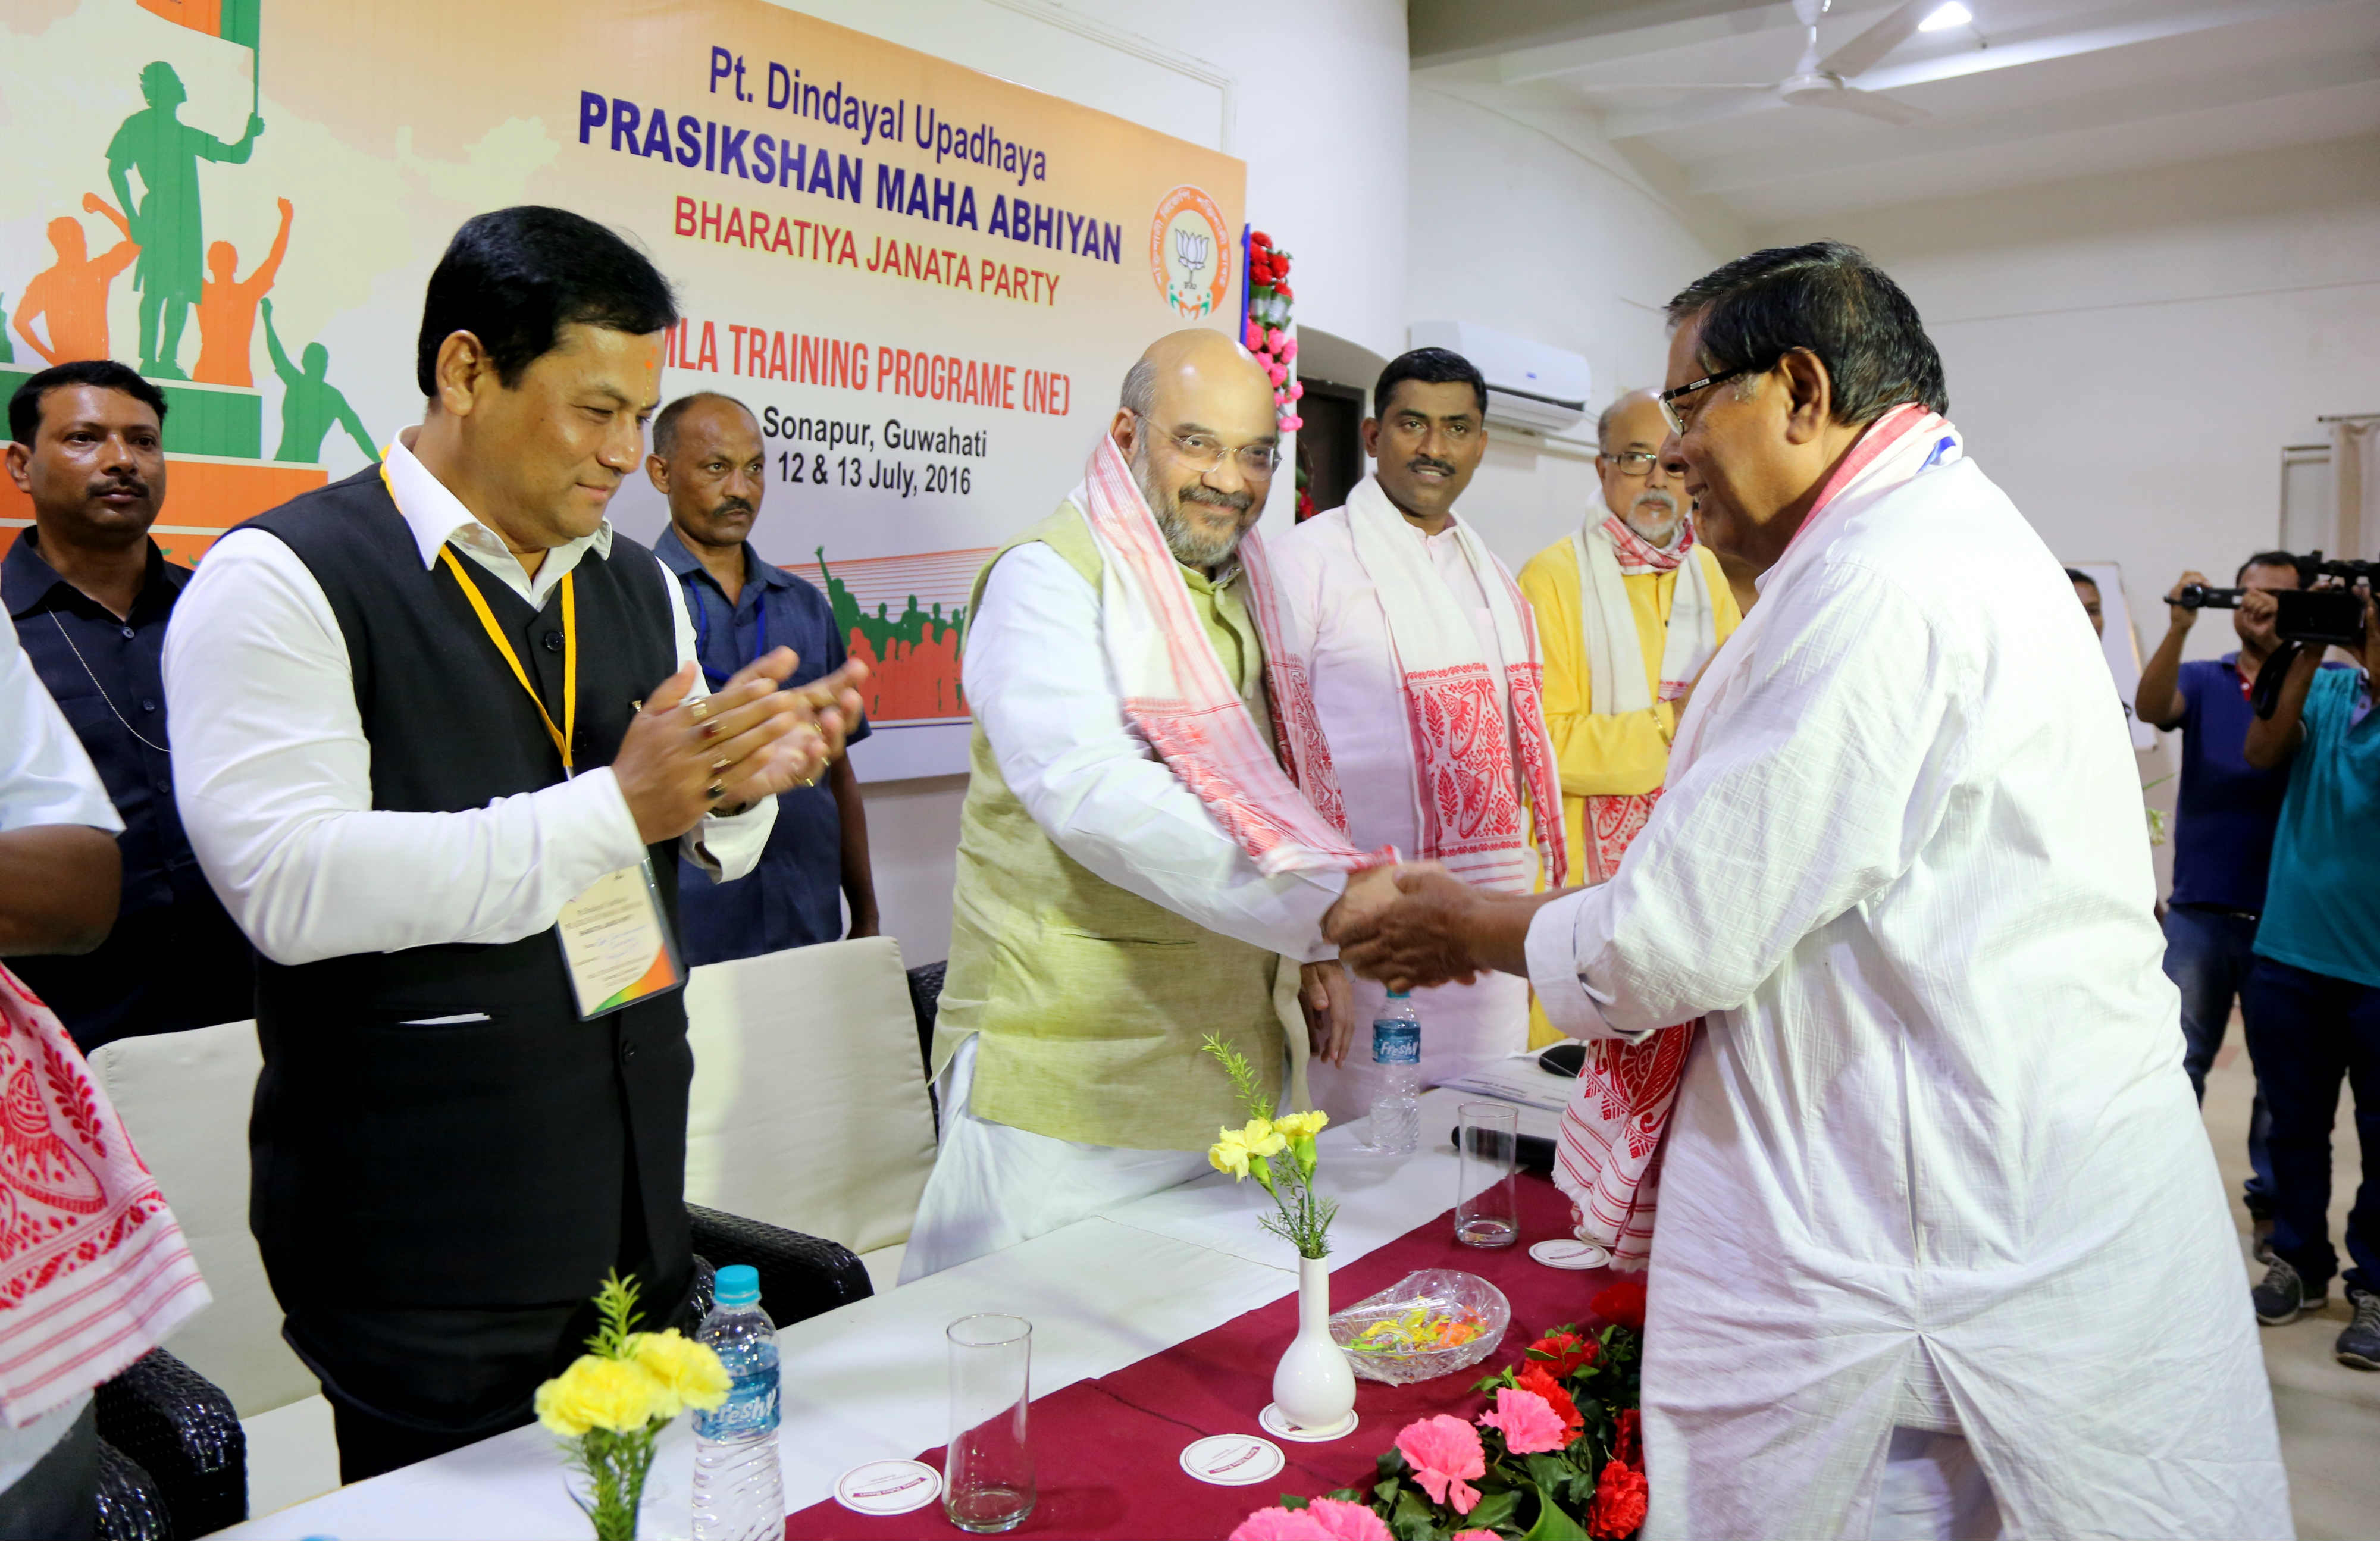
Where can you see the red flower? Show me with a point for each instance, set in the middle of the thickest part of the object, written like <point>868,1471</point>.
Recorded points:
<point>1259,239</point>
<point>1622,1304</point>
<point>1566,1352</point>
<point>1620,1501</point>
<point>1533,1378</point>
<point>1282,290</point>
<point>1629,1443</point>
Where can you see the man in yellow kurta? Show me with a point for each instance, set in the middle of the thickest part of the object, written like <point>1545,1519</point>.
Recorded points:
<point>1629,610</point>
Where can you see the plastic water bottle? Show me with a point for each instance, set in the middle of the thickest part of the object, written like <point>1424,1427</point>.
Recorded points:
<point>739,1492</point>
<point>1396,1058</point>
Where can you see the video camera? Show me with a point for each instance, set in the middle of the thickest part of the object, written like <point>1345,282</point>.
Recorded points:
<point>2321,617</point>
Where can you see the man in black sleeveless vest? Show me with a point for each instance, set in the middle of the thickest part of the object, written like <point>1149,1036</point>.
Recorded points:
<point>432,706</point>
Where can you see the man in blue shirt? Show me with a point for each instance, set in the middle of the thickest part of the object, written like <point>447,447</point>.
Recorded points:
<point>2313,998</point>
<point>2222,836</point>
<point>708,461</point>
<point>90,595</point>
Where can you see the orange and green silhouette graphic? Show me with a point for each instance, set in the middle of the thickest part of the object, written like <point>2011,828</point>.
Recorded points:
<point>155,142</point>
<point>227,310</point>
<point>71,296</point>
<point>7,353</point>
<point>913,658</point>
<point>310,405</point>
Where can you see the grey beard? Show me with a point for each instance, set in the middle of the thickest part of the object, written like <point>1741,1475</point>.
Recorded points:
<point>1190,546</point>
<point>1635,520</point>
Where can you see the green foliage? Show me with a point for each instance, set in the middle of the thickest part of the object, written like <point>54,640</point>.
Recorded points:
<point>616,1315</point>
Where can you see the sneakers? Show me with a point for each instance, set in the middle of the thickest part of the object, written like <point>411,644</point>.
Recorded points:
<point>2359,1346</point>
<point>2282,1298</point>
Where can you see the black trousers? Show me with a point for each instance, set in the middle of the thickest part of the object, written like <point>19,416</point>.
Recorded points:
<point>58,1499</point>
<point>2307,1032</point>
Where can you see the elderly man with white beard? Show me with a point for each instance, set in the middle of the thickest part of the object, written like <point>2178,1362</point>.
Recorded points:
<point>1942,1247</point>
<point>1630,607</point>
<point>1137,870</point>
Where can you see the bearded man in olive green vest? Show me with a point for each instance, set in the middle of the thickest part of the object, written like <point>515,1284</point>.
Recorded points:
<point>1110,914</point>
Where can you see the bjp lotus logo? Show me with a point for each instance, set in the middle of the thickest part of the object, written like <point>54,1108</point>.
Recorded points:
<point>1190,253</point>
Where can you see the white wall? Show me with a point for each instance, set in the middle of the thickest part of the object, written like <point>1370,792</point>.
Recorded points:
<point>2127,354</point>
<point>1311,95</point>
<point>1532,224</point>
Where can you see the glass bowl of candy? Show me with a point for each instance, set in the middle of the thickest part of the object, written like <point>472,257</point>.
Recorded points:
<point>1424,1326</point>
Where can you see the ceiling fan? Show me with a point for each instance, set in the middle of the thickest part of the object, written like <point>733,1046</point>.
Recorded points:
<point>1819,81</point>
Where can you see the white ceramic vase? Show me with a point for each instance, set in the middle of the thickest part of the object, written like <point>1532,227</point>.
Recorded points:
<point>1314,1387</point>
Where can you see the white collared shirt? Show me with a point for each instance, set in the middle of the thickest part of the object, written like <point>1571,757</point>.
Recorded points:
<point>46,776</point>
<point>272,773</point>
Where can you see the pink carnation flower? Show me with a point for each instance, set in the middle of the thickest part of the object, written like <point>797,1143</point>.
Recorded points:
<point>1274,337</point>
<point>1255,337</point>
<point>1291,425</point>
<point>1442,1451</point>
<point>1341,1521</point>
<point>1529,1423</point>
<point>1281,1525</point>
<point>1474,1536</point>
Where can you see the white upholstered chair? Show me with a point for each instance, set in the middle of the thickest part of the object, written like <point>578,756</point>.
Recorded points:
<point>809,1106</point>
<point>185,1098</point>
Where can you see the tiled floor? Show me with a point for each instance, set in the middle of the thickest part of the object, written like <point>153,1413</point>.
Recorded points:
<point>2329,1414</point>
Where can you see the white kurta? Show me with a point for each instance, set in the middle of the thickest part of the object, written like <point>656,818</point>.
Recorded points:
<point>1935,1163</point>
<point>1335,616</point>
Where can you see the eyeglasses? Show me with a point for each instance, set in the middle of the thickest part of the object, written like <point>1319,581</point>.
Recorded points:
<point>1634,462</point>
<point>1205,451</point>
<point>1669,399</point>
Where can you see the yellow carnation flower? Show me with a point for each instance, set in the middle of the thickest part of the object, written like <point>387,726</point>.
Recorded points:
<point>689,1373</point>
<point>616,1394</point>
<point>1230,1153</point>
<point>1264,1137</point>
<point>1297,1125</point>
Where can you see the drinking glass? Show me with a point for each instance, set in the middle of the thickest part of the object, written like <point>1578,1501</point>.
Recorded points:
<point>987,1471</point>
<point>1487,1199</point>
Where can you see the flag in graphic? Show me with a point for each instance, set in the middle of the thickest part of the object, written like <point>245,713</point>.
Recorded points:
<point>232,20</point>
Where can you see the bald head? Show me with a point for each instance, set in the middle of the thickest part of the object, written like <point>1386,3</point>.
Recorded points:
<point>1635,486</point>
<point>1198,422</point>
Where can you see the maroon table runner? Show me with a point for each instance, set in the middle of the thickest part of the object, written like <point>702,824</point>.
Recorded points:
<point>1107,1452</point>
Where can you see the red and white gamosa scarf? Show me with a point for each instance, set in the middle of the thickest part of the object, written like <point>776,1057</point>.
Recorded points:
<point>1608,1157</point>
<point>93,1270</point>
<point>1178,695</point>
<point>1469,716</point>
<point>1608,552</point>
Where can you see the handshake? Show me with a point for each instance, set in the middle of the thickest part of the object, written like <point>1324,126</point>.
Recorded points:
<point>1410,926</point>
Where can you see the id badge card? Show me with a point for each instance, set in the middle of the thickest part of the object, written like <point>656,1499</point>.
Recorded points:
<point>616,942</point>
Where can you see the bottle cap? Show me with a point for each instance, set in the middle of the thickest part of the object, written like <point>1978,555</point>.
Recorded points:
<point>738,1285</point>
<point>1398,995</point>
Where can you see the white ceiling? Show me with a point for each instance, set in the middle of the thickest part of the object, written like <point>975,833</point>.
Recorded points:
<point>2034,90</point>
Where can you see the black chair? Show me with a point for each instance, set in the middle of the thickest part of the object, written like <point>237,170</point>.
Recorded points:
<point>173,1457</point>
<point>926,999</point>
<point>801,1276</point>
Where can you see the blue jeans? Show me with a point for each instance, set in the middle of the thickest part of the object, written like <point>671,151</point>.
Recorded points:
<point>2306,1030</point>
<point>2207,955</point>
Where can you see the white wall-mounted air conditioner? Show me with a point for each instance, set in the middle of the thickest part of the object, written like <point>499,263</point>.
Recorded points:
<point>1529,384</point>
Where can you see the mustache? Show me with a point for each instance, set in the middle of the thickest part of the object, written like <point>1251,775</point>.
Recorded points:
<point>1654,497</point>
<point>135,485</point>
<point>1200,492</point>
<point>732,506</point>
<point>1429,463</point>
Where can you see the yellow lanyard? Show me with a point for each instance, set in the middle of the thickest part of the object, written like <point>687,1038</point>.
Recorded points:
<point>565,734</point>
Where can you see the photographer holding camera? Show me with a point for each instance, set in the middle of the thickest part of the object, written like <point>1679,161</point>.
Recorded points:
<point>2224,820</point>
<point>2312,1004</point>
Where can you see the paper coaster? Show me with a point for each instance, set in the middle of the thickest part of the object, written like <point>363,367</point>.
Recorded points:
<point>888,1487</point>
<point>1233,1459</point>
<point>1273,1423</point>
<point>1564,1252</point>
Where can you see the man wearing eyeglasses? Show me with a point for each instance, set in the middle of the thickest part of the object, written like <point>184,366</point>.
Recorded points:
<point>1426,678</point>
<point>1137,869</point>
<point>1942,1249</point>
<point>1630,607</point>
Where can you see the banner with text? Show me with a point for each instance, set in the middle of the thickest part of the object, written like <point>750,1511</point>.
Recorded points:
<point>926,283</point>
